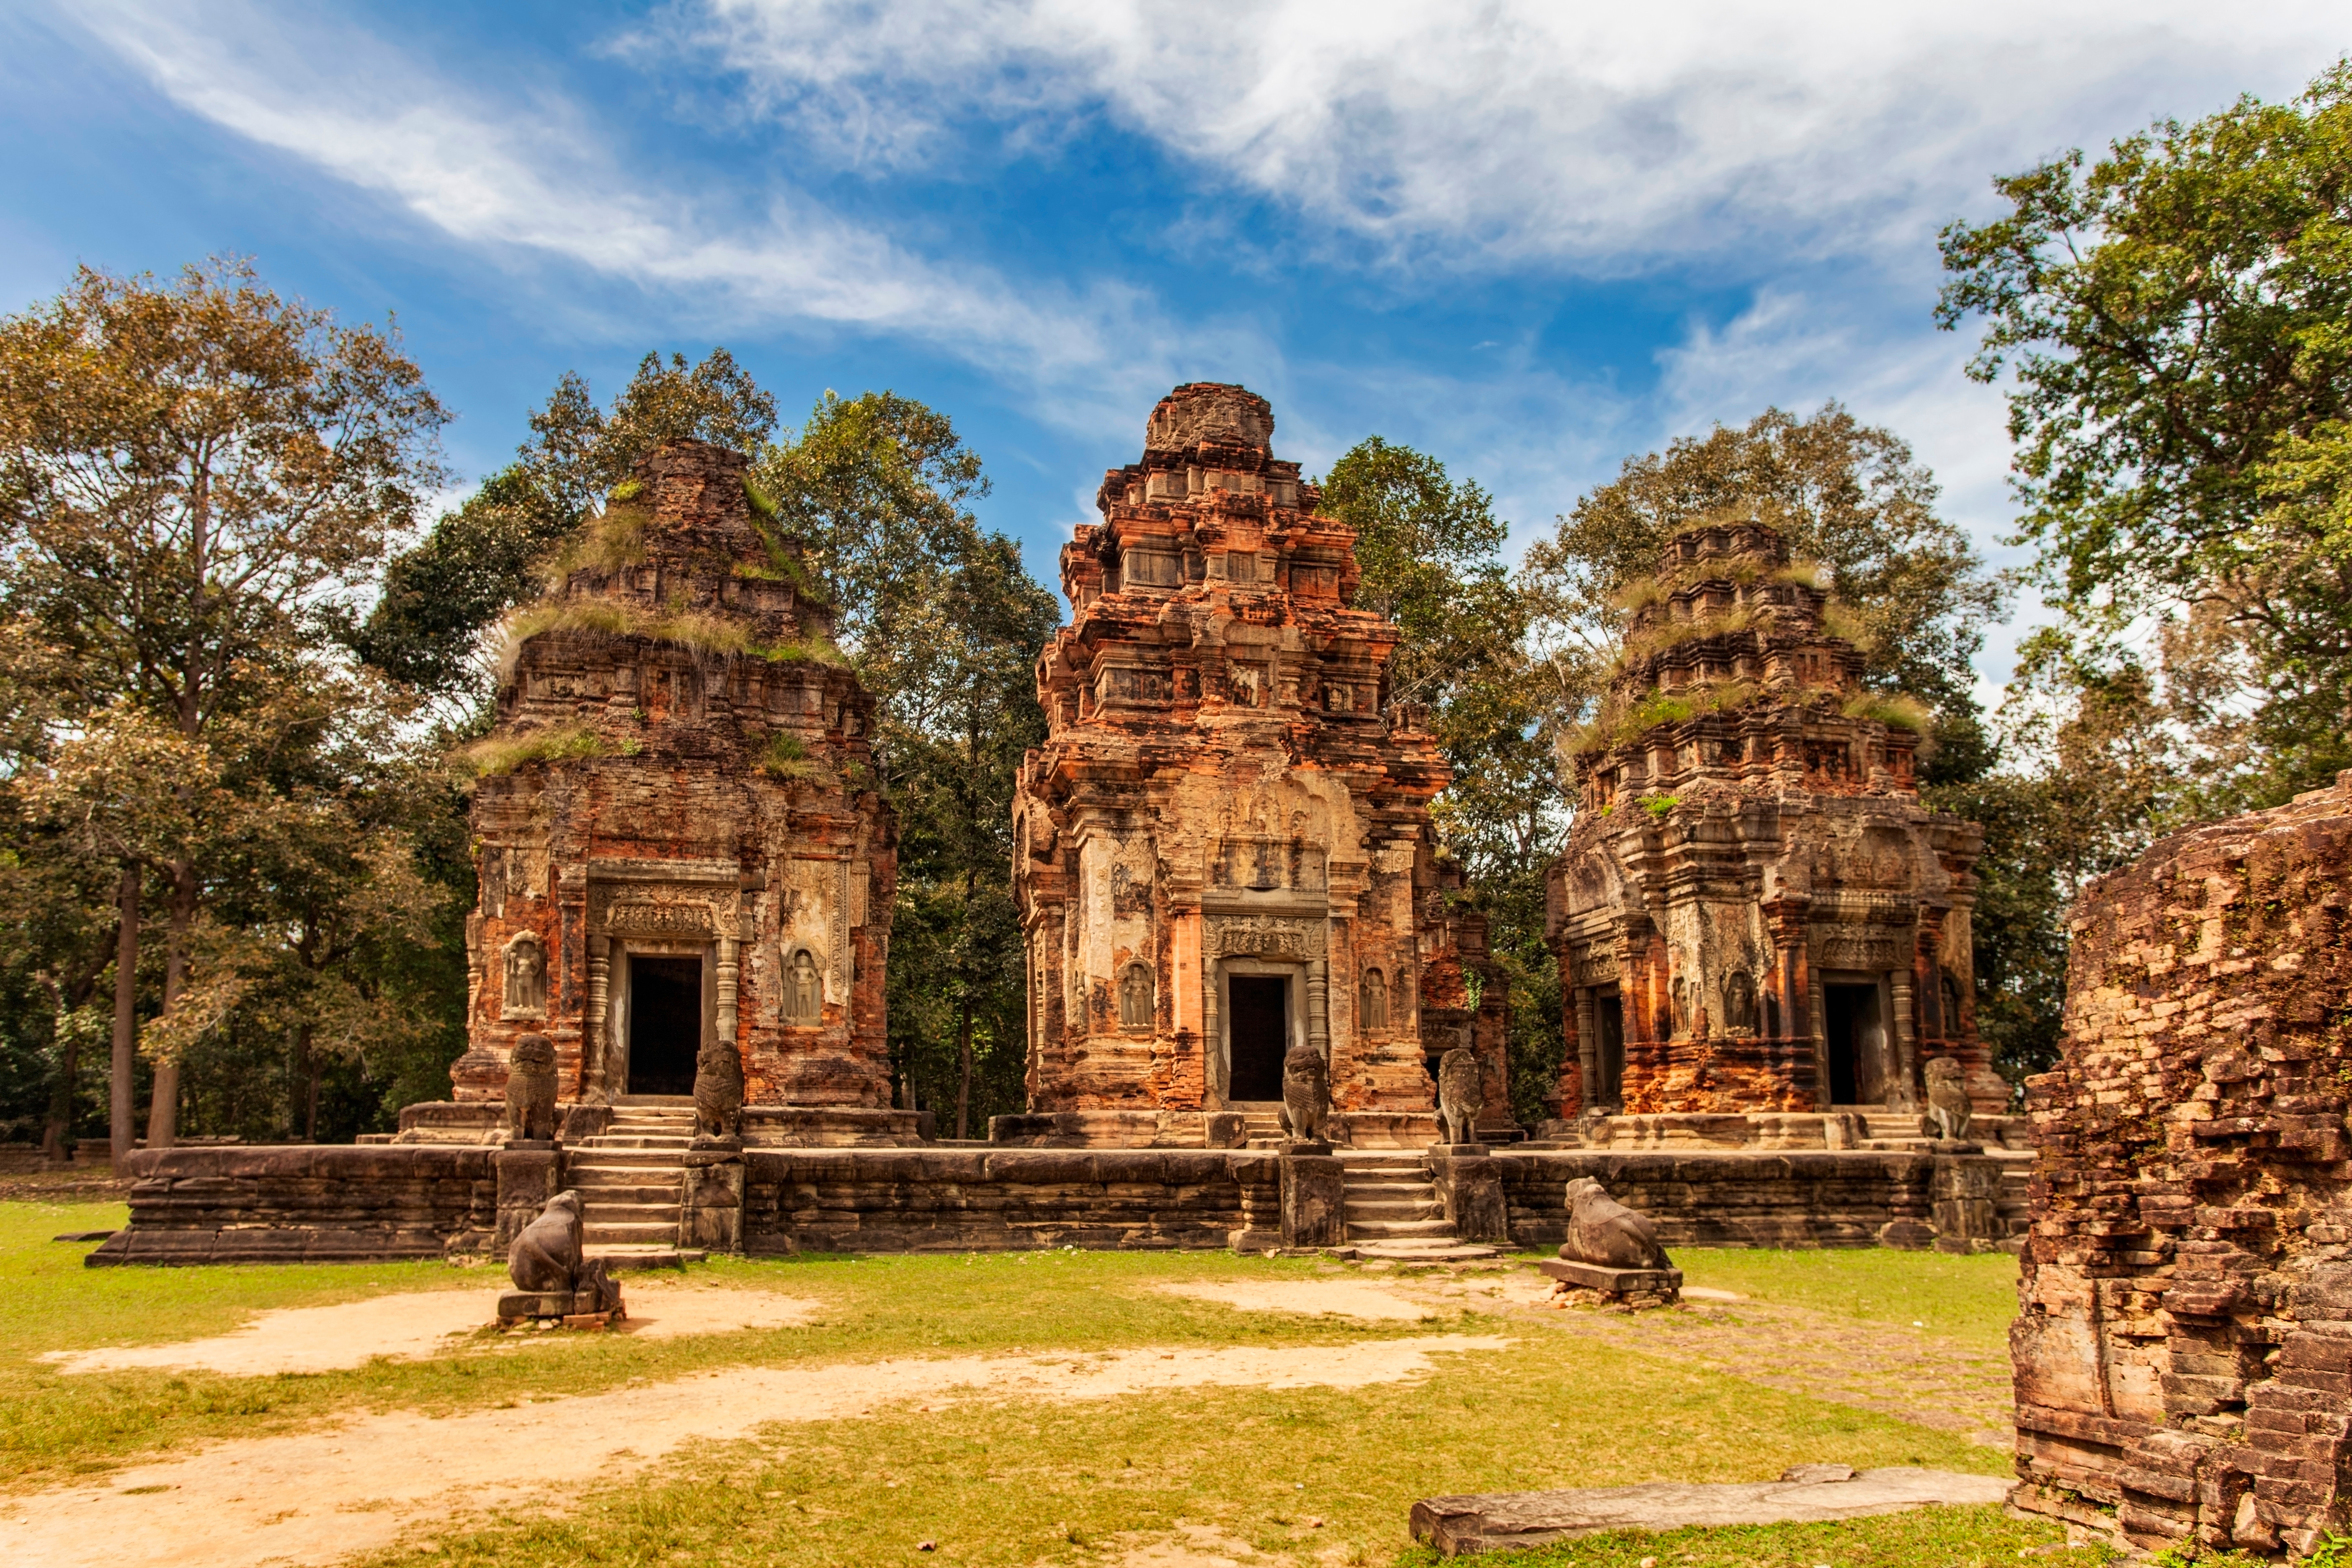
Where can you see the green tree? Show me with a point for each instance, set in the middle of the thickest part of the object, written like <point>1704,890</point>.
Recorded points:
<point>196,480</point>
<point>1430,549</point>
<point>945,627</point>
<point>441,598</point>
<point>2172,320</point>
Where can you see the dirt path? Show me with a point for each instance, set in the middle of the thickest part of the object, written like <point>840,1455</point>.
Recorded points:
<point>1907,1373</point>
<point>1308,1298</point>
<point>420,1322</point>
<point>316,1496</point>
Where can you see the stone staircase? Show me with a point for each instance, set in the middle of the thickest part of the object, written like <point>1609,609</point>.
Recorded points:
<point>631,1177</point>
<point>1262,1128</point>
<point>1393,1212</point>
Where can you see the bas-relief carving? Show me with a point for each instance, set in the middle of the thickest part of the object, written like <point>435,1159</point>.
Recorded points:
<point>1135,998</point>
<point>1266,936</point>
<point>1373,1014</point>
<point>1596,966</point>
<point>523,988</point>
<point>803,990</point>
<point>1859,949</point>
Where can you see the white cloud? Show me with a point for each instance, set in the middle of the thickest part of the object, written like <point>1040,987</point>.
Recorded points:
<point>535,177</point>
<point>1598,134</point>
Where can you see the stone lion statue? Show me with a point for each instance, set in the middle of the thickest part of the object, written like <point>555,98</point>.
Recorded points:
<point>1602,1230</point>
<point>1948,1100</point>
<point>718,1090</point>
<point>1306,1093</point>
<point>1461,1095</point>
<point>530,1089</point>
<point>549,1257</point>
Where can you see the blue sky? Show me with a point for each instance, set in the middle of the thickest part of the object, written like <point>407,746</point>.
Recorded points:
<point>1528,238</point>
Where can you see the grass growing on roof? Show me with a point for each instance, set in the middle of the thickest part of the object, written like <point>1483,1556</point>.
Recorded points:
<point>569,742</point>
<point>715,636</point>
<point>1895,709</point>
<point>786,757</point>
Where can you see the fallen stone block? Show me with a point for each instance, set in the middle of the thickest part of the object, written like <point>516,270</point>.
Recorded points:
<point>1806,1494</point>
<point>1629,1287</point>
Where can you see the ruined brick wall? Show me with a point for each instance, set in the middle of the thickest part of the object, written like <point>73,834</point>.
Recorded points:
<point>1858,1199</point>
<point>304,1204</point>
<point>2183,1353</point>
<point>962,1200</point>
<point>1750,848</point>
<point>681,769</point>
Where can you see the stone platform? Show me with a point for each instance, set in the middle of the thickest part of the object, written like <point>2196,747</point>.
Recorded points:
<point>1634,1287</point>
<point>574,1308</point>
<point>262,1204</point>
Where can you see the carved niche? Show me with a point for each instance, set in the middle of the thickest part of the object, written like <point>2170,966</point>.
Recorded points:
<point>523,988</point>
<point>1372,1011</point>
<point>1135,998</point>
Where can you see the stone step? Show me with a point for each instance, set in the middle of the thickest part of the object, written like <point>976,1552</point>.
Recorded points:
<point>631,1214</point>
<point>665,1158</point>
<point>1390,1229</point>
<point>1391,1182</point>
<point>1422,1251</point>
<point>598,1200</point>
<point>676,1144</point>
<point>1363,1214</point>
<point>648,1235</point>
<point>645,1255</point>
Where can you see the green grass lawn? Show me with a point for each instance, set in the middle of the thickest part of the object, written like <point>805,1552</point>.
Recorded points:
<point>1318,1474</point>
<point>1971,1298</point>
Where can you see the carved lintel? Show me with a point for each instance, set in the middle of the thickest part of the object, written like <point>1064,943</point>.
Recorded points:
<point>1268,936</point>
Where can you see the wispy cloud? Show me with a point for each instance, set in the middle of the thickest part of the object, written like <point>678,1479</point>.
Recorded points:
<point>534,175</point>
<point>1497,133</point>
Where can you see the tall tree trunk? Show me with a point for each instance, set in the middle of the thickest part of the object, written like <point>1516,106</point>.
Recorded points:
<point>311,1076</point>
<point>963,1057</point>
<point>163,1107</point>
<point>120,1131</point>
<point>61,1098</point>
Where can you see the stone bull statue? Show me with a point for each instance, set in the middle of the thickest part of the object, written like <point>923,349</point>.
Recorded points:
<point>549,1259</point>
<point>1602,1230</point>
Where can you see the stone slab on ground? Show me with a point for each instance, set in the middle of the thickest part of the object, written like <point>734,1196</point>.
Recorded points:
<point>1807,1494</point>
<point>1600,1276</point>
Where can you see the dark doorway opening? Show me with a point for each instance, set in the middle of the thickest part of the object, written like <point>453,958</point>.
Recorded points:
<point>1608,1051</point>
<point>1257,1035</point>
<point>665,1024</point>
<point>1857,1065</point>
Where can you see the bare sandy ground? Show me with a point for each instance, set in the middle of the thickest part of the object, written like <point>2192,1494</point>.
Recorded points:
<point>314,1497</point>
<point>420,1323</point>
<point>1308,1298</point>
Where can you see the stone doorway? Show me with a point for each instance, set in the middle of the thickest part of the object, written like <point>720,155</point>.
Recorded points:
<point>1857,1043</point>
<point>1256,1035</point>
<point>1608,1051</point>
<point>665,1024</point>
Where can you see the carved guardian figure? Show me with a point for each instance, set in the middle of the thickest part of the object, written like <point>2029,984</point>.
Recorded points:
<point>717,1091</point>
<point>530,1091</point>
<point>1947,1097</point>
<point>1460,1095</point>
<point>549,1257</point>
<point>1306,1093</point>
<point>1603,1231</point>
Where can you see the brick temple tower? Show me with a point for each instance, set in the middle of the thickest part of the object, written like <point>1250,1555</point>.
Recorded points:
<point>1754,913</point>
<point>675,828</point>
<point>1225,845</point>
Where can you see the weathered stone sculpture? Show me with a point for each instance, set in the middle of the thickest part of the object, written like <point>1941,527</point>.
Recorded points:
<point>1947,1098</point>
<point>553,1277</point>
<point>1754,913</point>
<point>1305,1093</point>
<point>1225,845</point>
<point>1461,1096</point>
<point>1613,1254</point>
<point>2183,1353</point>
<point>682,853</point>
<point>1602,1230</point>
<point>717,1094</point>
<point>530,1091</point>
